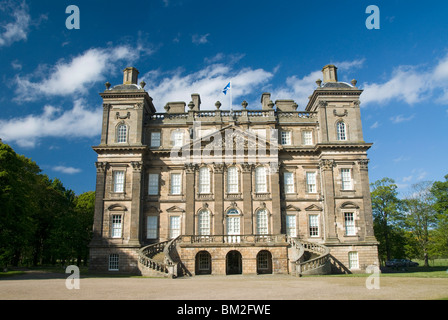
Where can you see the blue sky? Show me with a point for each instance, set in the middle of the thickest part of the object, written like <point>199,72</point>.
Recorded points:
<point>51,76</point>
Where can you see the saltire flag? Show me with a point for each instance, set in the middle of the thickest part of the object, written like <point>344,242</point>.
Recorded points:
<point>226,88</point>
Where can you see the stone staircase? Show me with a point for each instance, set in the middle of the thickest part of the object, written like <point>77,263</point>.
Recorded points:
<point>162,259</point>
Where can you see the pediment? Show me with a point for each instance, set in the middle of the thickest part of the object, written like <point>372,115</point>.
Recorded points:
<point>313,207</point>
<point>175,209</point>
<point>291,208</point>
<point>117,207</point>
<point>349,205</point>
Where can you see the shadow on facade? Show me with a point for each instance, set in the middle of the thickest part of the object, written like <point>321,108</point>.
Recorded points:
<point>337,267</point>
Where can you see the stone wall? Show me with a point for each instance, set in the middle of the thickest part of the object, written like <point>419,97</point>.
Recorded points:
<point>367,255</point>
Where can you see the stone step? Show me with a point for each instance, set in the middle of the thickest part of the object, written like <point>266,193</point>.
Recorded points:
<point>159,257</point>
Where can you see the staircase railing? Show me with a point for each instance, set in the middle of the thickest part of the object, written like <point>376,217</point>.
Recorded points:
<point>169,266</point>
<point>317,264</point>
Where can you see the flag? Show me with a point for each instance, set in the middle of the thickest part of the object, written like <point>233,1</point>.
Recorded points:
<point>226,88</point>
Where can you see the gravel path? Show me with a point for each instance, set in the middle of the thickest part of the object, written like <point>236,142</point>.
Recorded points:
<point>51,286</point>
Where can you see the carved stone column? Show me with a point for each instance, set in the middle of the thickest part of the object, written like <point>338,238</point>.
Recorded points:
<point>218,188</point>
<point>327,177</point>
<point>275,192</point>
<point>136,206</point>
<point>189,197</point>
<point>247,198</point>
<point>366,198</point>
<point>101,169</point>
<point>105,126</point>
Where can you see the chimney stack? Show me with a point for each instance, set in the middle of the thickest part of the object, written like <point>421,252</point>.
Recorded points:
<point>130,75</point>
<point>330,73</point>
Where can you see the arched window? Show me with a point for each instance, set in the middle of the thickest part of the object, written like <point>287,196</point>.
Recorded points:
<point>262,222</point>
<point>204,180</point>
<point>260,180</point>
<point>122,130</point>
<point>341,131</point>
<point>233,226</point>
<point>204,222</point>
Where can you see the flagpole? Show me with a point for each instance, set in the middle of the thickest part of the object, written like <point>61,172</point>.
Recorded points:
<point>231,108</point>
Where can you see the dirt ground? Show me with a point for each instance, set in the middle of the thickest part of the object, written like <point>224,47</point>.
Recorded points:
<point>52,286</point>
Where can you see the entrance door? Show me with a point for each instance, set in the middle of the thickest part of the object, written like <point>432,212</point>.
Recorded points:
<point>264,262</point>
<point>234,263</point>
<point>203,263</point>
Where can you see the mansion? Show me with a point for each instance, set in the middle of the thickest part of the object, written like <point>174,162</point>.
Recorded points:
<point>248,191</point>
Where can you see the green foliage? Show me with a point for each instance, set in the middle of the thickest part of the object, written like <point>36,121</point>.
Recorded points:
<point>41,221</point>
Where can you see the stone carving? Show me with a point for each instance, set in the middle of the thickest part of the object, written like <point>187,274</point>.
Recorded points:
<point>190,167</point>
<point>218,167</point>
<point>343,114</point>
<point>127,116</point>
<point>363,164</point>
<point>326,164</point>
<point>101,166</point>
<point>137,165</point>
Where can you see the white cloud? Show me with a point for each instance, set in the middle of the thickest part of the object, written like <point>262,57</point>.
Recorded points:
<point>74,76</point>
<point>200,39</point>
<point>410,84</point>
<point>18,29</point>
<point>400,118</point>
<point>53,122</point>
<point>67,170</point>
<point>349,65</point>
<point>208,82</point>
<point>375,125</point>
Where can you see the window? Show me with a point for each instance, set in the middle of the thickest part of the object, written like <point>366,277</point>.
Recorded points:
<point>118,181</point>
<point>113,262</point>
<point>122,133</point>
<point>262,222</point>
<point>178,138</point>
<point>153,184</point>
<point>291,225</point>
<point>314,225</point>
<point>353,260</point>
<point>204,180</point>
<point>155,139</point>
<point>346,179</point>
<point>288,179</point>
<point>116,226</point>
<point>286,137</point>
<point>311,182</point>
<point>151,227</point>
<point>176,182</point>
<point>307,138</point>
<point>204,222</point>
<point>349,224</point>
<point>174,227</point>
<point>260,180</point>
<point>232,180</point>
<point>341,131</point>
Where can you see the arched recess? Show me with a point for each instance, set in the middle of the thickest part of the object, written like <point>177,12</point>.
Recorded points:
<point>264,262</point>
<point>203,264</point>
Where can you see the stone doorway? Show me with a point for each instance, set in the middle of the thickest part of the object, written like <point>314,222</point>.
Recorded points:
<point>203,263</point>
<point>264,262</point>
<point>234,263</point>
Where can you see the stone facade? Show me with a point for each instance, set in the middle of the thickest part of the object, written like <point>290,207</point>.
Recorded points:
<point>271,171</point>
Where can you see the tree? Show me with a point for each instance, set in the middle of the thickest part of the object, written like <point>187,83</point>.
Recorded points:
<point>420,217</point>
<point>387,216</point>
<point>440,234</point>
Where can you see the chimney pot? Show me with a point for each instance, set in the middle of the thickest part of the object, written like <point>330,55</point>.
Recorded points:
<point>330,73</point>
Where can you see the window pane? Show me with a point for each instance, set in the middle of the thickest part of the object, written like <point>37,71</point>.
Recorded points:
<point>121,133</point>
<point>291,225</point>
<point>151,228</point>
<point>204,222</point>
<point>307,138</point>
<point>288,178</point>
<point>233,225</point>
<point>262,222</point>
<point>349,224</point>
<point>311,182</point>
<point>175,183</point>
<point>174,227</point>
<point>153,187</point>
<point>113,262</point>
<point>232,180</point>
<point>346,179</point>
<point>353,260</point>
<point>286,137</point>
<point>118,181</point>
<point>314,225</point>
<point>204,180</point>
<point>116,226</point>
<point>178,138</point>
<point>341,131</point>
<point>260,179</point>
<point>155,139</point>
